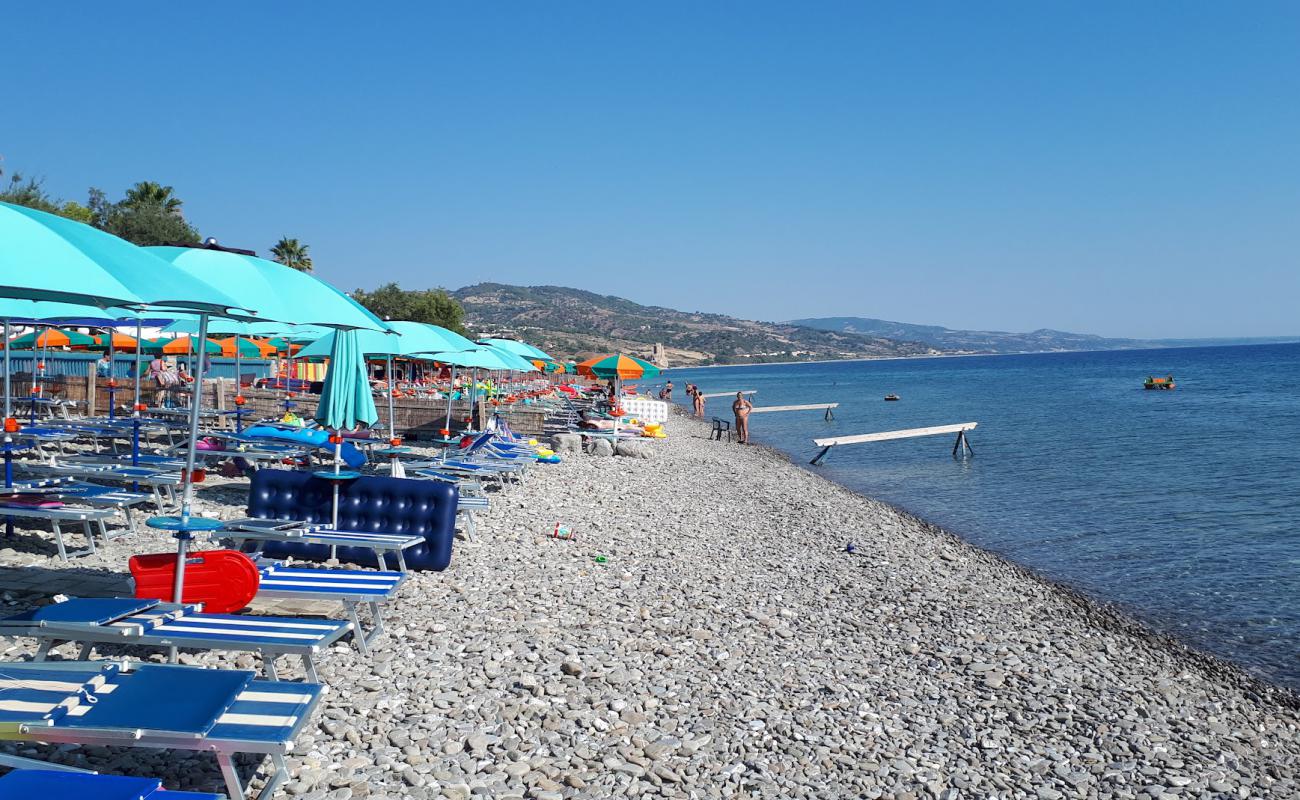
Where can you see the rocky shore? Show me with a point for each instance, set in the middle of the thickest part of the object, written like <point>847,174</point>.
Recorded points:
<point>725,645</point>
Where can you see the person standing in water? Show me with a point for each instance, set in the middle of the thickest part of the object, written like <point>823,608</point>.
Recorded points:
<point>699,402</point>
<point>741,408</point>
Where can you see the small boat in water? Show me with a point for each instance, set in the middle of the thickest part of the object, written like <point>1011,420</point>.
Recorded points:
<point>1166,382</point>
<point>891,397</point>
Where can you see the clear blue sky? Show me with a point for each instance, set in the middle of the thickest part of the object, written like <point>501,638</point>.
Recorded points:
<point>1110,167</point>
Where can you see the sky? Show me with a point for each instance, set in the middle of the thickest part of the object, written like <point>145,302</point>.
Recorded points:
<point>1119,168</point>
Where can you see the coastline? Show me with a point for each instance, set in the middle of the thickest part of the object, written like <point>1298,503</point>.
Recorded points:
<point>981,355</point>
<point>725,645</point>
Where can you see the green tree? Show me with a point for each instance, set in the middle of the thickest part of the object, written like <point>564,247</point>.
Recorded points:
<point>147,194</point>
<point>145,218</point>
<point>31,193</point>
<point>431,306</point>
<point>292,253</point>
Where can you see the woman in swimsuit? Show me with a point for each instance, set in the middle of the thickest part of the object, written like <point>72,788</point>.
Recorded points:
<point>741,408</point>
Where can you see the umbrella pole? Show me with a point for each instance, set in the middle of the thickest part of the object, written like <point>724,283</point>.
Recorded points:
<point>8,400</point>
<point>112,382</point>
<point>135,407</point>
<point>450,391</point>
<point>9,440</point>
<point>388,374</point>
<point>239,410</point>
<point>183,536</point>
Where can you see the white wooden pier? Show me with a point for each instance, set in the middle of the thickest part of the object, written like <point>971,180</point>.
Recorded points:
<point>910,433</point>
<point>728,394</point>
<point>808,407</point>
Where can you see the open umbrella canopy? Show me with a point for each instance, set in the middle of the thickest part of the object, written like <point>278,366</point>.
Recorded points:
<point>51,337</point>
<point>184,345</point>
<point>281,293</point>
<point>247,348</point>
<point>518,348</point>
<point>409,339</point>
<point>120,341</point>
<point>296,333</point>
<point>48,257</point>
<point>517,362</point>
<point>619,366</point>
<point>548,367</point>
<point>478,358</point>
<point>345,399</point>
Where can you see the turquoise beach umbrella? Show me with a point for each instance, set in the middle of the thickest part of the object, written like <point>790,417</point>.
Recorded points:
<point>47,257</point>
<point>518,348</point>
<point>412,338</point>
<point>282,294</point>
<point>345,399</point>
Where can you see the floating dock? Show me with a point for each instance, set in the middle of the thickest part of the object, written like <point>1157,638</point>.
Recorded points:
<point>910,433</point>
<point>728,394</point>
<point>808,407</point>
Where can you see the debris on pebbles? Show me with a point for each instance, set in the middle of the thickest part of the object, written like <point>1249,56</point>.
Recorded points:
<point>724,644</point>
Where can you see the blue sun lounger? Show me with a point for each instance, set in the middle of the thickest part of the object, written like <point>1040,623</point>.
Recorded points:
<point>45,784</point>
<point>130,621</point>
<point>353,588</point>
<point>116,704</point>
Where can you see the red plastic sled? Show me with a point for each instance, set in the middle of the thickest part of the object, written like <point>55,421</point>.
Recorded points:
<point>224,581</point>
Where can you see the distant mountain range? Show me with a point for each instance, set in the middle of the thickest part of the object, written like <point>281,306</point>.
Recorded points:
<point>574,324</point>
<point>571,323</point>
<point>1044,340</point>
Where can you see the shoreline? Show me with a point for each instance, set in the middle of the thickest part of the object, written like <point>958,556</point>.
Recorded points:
<point>1117,616</point>
<point>979,355</point>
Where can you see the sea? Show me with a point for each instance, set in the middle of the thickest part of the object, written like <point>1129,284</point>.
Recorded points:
<point>1180,507</point>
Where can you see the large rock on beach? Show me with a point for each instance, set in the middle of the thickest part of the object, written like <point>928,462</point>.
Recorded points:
<point>566,443</point>
<point>632,449</point>
<point>602,447</point>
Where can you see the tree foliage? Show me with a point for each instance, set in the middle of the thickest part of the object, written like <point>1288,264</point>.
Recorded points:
<point>31,193</point>
<point>143,217</point>
<point>292,253</point>
<point>431,306</point>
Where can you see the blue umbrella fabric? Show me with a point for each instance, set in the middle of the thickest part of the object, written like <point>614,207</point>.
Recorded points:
<point>47,257</point>
<point>346,400</point>
<point>282,294</point>
<point>518,348</point>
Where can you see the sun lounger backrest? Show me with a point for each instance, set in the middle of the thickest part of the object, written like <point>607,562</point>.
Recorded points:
<point>373,504</point>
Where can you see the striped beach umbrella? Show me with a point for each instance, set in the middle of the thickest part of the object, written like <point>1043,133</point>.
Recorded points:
<point>51,337</point>
<point>185,345</point>
<point>246,348</point>
<point>624,368</point>
<point>120,341</point>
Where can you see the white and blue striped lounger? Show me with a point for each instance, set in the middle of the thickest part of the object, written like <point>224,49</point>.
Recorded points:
<point>253,529</point>
<point>70,490</point>
<point>47,784</point>
<point>352,588</point>
<point>119,704</point>
<point>63,514</point>
<point>150,623</point>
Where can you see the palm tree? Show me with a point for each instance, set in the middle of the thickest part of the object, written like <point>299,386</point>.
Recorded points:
<point>292,253</point>
<point>148,193</point>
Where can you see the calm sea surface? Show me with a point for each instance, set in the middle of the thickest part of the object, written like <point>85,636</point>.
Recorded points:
<point>1183,506</point>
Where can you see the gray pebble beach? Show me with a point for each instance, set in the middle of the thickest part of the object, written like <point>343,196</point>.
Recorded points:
<point>728,646</point>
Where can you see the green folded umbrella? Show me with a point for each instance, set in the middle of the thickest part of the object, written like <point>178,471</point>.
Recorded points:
<point>51,337</point>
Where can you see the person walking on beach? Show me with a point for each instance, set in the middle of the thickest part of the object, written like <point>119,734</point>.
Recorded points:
<point>668,391</point>
<point>741,408</point>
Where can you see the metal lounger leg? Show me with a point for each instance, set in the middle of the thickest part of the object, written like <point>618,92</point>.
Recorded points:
<point>358,632</point>
<point>309,667</point>
<point>276,778</point>
<point>44,649</point>
<point>268,665</point>
<point>83,654</point>
<point>58,539</point>
<point>401,560</point>
<point>377,618</point>
<point>234,786</point>
<point>379,558</point>
<point>90,537</point>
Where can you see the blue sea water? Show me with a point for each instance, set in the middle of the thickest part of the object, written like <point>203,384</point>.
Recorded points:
<point>1182,507</point>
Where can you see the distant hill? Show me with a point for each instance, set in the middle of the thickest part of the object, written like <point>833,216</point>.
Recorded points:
<point>959,341</point>
<point>571,323</point>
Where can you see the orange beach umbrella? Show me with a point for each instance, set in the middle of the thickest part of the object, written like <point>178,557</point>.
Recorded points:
<point>625,368</point>
<point>120,342</point>
<point>185,345</point>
